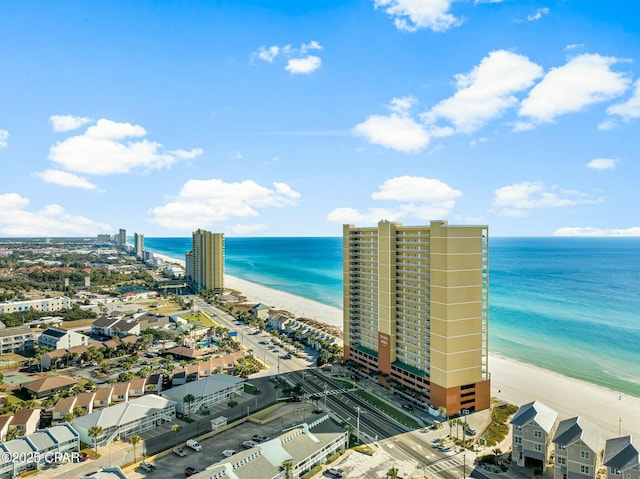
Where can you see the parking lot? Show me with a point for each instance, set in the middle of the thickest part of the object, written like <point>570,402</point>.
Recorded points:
<point>171,466</point>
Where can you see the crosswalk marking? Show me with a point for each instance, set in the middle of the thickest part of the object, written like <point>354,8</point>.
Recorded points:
<point>443,465</point>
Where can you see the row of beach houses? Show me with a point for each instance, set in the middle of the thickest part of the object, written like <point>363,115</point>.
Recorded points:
<point>574,447</point>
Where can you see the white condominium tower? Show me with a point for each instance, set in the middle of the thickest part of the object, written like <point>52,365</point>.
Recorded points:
<point>416,310</point>
<point>206,268</point>
<point>138,244</point>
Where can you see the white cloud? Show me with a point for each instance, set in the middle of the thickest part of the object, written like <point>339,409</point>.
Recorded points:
<point>487,91</point>
<point>608,124</point>
<point>412,15</point>
<point>418,197</point>
<point>64,178</point>
<point>312,45</point>
<point>523,126</point>
<point>602,164</point>
<point>236,155</point>
<point>393,131</point>
<point>573,46</point>
<point>106,148</point>
<point>476,2</point>
<point>52,220</point>
<point>397,131</point>
<point>205,203</point>
<point>247,229</point>
<point>187,154</point>
<point>630,109</point>
<point>304,65</point>
<point>298,60</point>
<point>538,14</point>
<point>584,80</point>
<point>68,122</point>
<point>589,231</point>
<point>416,188</point>
<point>514,200</point>
<point>267,54</point>
<point>4,136</point>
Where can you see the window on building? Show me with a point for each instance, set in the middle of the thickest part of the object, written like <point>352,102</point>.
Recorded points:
<point>562,447</point>
<point>537,447</point>
<point>561,460</point>
<point>518,428</point>
<point>517,439</point>
<point>537,433</point>
<point>585,455</point>
<point>584,469</point>
<point>615,471</point>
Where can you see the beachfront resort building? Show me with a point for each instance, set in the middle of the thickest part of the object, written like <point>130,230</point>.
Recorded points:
<point>206,270</point>
<point>577,449</point>
<point>533,426</point>
<point>416,309</point>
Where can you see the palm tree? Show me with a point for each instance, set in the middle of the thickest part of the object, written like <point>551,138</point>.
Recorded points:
<point>442,411</point>
<point>288,467</point>
<point>451,422</point>
<point>189,399</point>
<point>12,433</point>
<point>95,432</point>
<point>393,473</point>
<point>134,440</point>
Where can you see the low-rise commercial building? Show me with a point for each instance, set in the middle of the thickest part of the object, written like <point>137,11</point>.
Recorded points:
<point>303,447</point>
<point>41,305</point>
<point>207,393</point>
<point>16,339</point>
<point>125,419</point>
<point>47,445</point>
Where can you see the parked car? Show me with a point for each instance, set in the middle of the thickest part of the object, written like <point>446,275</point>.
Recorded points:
<point>178,451</point>
<point>249,444</point>
<point>147,466</point>
<point>335,472</point>
<point>258,438</point>
<point>470,432</point>
<point>190,471</point>
<point>407,406</point>
<point>193,444</point>
<point>81,457</point>
<point>228,452</point>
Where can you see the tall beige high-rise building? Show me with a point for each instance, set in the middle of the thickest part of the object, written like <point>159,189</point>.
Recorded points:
<point>207,256</point>
<point>416,309</point>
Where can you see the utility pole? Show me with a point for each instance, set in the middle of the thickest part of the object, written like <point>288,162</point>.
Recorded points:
<point>358,409</point>
<point>326,391</point>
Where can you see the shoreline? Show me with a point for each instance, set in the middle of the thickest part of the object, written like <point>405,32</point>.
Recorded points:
<point>512,381</point>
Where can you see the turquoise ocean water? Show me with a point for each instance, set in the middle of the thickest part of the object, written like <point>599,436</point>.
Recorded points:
<point>571,305</point>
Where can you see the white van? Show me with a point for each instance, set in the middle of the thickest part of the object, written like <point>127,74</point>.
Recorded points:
<point>193,444</point>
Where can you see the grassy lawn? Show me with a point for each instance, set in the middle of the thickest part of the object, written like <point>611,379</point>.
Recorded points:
<point>251,389</point>
<point>387,409</point>
<point>77,324</point>
<point>344,383</point>
<point>203,318</point>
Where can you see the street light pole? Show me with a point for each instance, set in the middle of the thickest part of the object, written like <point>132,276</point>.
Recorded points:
<point>358,409</point>
<point>326,391</point>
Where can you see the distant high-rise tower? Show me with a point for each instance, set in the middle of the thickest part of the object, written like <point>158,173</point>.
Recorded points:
<point>207,256</point>
<point>138,244</point>
<point>416,309</point>
<point>122,238</point>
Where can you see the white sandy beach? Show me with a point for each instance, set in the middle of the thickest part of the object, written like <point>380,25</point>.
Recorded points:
<point>512,381</point>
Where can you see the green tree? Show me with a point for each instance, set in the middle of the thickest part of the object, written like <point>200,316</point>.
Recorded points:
<point>134,440</point>
<point>12,433</point>
<point>94,433</point>
<point>393,473</point>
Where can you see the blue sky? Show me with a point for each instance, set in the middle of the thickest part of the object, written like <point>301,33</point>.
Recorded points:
<point>282,118</point>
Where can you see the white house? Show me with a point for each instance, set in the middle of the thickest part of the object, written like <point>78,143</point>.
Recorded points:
<point>58,338</point>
